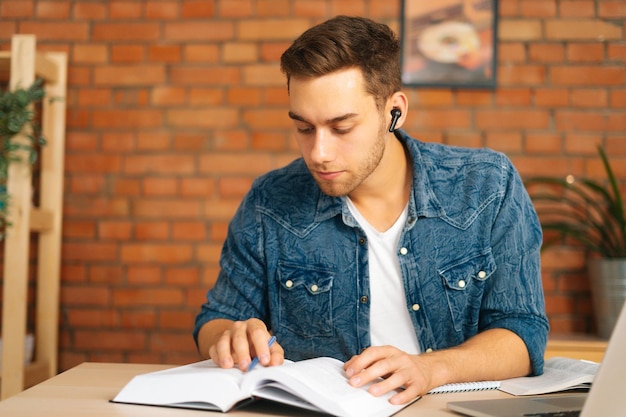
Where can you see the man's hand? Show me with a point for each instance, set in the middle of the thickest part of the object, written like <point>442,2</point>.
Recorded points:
<point>398,368</point>
<point>236,343</point>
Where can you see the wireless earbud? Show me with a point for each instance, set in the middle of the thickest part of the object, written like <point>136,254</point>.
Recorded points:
<point>395,115</point>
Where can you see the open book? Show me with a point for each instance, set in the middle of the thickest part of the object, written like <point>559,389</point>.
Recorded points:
<point>559,374</point>
<point>317,384</point>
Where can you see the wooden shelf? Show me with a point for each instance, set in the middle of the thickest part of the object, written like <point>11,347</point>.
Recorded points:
<point>24,64</point>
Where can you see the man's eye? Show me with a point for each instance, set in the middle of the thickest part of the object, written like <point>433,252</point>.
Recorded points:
<point>305,130</point>
<point>342,131</point>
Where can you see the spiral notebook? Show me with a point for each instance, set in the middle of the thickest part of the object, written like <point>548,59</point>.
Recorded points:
<point>465,386</point>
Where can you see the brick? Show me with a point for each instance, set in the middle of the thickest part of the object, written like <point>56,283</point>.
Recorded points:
<point>162,10</point>
<point>208,252</point>
<point>507,142</point>
<point>271,29</point>
<point>17,8</point>
<point>79,229</point>
<point>616,52</point>
<point>580,29</point>
<point>513,97</point>
<point>114,340</point>
<point>263,75</point>
<point>511,52</point>
<point>267,119</point>
<point>164,53</point>
<point>519,30</point>
<point>203,118</point>
<point>205,76</point>
<point>222,209</point>
<point>239,52</point>
<point>168,96</point>
<point>585,52</point>
<point>551,97</point>
<point>189,231</point>
<point>239,163</point>
<point>199,31</point>
<point>577,8</point>
<point>439,119</point>
<point>175,319</point>
<point>144,275</point>
<point>88,11</point>
<point>435,98</point>
<point>546,52</point>
<point>197,8</point>
<point>124,10</point>
<point>206,96</point>
<point>201,53</point>
<point>618,98</point>
<point>119,142</point>
<point>166,209</point>
<point>512,119</point>
<point>190,142</point>
<point>615,9</point>
<point>543,143</point>
<point>138,320</point>
<point>126,118</point>
<point>114,230</point>
<point>88,97</point>
<point>92,163</point>
<point>91,318</point>
<point>129,75</point>
<point>348,7</point>
<point>107,274</point>
<point>234,186</point>
<point>149,252</point>
<point>159,164</point>
<point>266,141</point>
<point>244,96</point>
<point>538,8</point>
<point>587,75</point>
<point>236,8</point>
<point>94,206</point>
<point>153,140</point>
<point>125,187</point>
<point>55,31</point>
<point>187,276</point>
<point>59,10</point>
<point>155,187</point>
<point>569,120</point>
<point>89,251</point>
<point>128,53</point>
<point>156,230</point>
<point>316,8</point>
<point>87,184</point>
<point>589,97</point>
<point>526,75</point>
<point>582,144</point>
<point>126,32</point>
<point>197,187</point>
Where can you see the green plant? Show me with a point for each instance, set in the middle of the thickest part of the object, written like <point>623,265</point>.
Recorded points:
<point>587,211</point>
<point>17,114</point>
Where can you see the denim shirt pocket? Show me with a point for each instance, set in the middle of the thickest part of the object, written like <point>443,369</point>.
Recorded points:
<point>305,299</point>
<point>464,283</point>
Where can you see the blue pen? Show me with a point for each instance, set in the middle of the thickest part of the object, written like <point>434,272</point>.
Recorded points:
<point>256,359</point>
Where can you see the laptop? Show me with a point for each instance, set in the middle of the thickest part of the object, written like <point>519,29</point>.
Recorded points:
<point>606,398</point>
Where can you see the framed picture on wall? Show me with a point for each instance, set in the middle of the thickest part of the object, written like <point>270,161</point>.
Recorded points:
<point>449,43</point>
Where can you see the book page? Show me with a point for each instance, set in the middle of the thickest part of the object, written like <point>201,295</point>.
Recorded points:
<point>202,382</point>
<point>560,374</point>
<point>322,383</point>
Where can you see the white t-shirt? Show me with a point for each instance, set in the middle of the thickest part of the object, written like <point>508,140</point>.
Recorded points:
<point>390,323</point>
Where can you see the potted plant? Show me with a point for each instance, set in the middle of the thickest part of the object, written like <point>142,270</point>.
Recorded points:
<point>17,115</point>
<point>591,214</point>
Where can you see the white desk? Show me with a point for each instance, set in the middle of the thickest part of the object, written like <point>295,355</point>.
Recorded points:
<point>85,391</point>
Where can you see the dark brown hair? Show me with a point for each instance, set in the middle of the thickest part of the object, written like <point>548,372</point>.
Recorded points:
<point>344,42</point>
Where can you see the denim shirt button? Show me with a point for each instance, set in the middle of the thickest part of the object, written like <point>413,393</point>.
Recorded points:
<point>429,350</point>
<point>461,284</point>
<point>415,307</point>
<point>289,283</point>
<point>482,274</point>
<point>364,299</point>
<point>362,240</point>
<point>314,288</point>
<point>404,251</point>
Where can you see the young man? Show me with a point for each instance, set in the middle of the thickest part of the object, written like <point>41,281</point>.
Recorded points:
<point>414,262</point>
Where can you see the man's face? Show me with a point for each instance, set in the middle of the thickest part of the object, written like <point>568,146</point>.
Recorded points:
<point>339,129</point>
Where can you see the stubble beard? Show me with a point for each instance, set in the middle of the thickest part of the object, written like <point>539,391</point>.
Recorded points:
<point>351,180</point>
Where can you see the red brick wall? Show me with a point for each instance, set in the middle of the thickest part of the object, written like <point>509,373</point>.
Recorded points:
<point>175,106</point>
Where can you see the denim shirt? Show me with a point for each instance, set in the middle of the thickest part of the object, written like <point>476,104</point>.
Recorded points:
<point>469,256</point>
